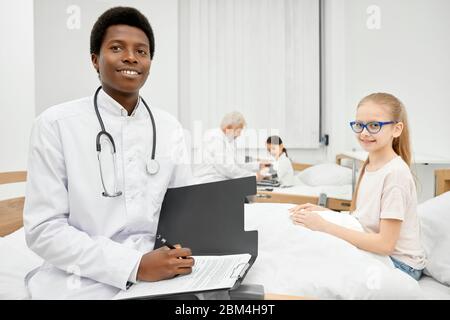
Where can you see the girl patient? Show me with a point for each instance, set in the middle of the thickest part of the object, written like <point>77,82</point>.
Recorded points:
<point>385,200</point>
<point>282,165</point>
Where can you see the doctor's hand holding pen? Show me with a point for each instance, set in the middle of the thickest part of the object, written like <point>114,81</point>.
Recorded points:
<point>165,263</point>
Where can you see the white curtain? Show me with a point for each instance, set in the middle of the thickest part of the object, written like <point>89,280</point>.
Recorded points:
<point>259,57</point>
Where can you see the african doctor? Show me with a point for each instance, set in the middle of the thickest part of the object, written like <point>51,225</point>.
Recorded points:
<point>97,176</point>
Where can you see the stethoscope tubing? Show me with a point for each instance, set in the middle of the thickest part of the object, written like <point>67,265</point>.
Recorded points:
<point>111,140</point>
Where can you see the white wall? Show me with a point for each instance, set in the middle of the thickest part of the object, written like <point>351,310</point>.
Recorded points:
<point>409,57</point>
<point>16,87</point>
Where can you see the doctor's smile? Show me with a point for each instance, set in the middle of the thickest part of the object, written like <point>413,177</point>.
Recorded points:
<point>129,72</point>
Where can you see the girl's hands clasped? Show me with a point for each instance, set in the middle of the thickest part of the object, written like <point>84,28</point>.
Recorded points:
<point>307,207</point>
<point>306,216</point>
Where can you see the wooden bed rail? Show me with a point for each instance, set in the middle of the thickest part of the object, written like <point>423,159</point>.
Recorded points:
<point>11,210</point>
<point>442,181</point>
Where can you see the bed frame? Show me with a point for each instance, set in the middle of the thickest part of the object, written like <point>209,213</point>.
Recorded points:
<point>442,181</point>
<point>274,197</point>
<point>11,209</point>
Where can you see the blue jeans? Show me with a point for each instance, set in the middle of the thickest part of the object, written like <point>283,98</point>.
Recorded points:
<point>416,274</point>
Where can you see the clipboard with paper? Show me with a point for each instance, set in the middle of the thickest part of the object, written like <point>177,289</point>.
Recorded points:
<point>209,273</point>
<point>208,219</point>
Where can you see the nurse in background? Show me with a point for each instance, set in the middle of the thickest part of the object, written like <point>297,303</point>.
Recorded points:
<point>220,159</point>
<point>282,164</point>
<point>95,245</point>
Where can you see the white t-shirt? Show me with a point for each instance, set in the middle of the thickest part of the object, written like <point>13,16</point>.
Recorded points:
<point>390,193</point>
<point>285,171</point>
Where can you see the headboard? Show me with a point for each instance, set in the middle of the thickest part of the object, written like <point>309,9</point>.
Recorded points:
<point>11,210</point>
<point>300,166</point>
<point>442,181</point>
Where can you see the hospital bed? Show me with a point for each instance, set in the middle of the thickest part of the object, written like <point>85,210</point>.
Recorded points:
<point>334,197</point>
<point>305,268</point>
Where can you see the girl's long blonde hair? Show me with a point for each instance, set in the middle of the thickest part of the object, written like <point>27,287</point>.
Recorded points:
<point>401,144</point>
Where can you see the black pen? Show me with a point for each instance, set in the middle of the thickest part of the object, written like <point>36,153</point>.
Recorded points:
<point>167,244</point>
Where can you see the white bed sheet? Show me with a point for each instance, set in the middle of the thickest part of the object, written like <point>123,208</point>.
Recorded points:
<point>343,192</point>
<point>297,261</point>
<point>433,289</point>
<point>15,263</point>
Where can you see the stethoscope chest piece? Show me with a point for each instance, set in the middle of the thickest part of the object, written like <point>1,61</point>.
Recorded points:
<point>152,166</point>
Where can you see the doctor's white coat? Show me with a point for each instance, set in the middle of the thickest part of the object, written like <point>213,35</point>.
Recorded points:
<point>92,245</point>
<point>219,160</point>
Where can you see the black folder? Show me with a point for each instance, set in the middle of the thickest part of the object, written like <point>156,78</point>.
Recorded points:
<point>209,219</point>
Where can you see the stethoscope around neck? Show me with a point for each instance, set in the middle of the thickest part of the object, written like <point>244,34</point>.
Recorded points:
<point>152,165</point>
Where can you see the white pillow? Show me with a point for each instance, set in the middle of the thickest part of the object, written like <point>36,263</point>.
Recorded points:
<point>434,215</point>
<point>326,174</point>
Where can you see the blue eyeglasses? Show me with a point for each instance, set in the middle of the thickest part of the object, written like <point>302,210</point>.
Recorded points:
<point>372,127</point>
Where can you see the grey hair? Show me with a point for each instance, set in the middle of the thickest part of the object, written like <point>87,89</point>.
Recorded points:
<point>234,119</point>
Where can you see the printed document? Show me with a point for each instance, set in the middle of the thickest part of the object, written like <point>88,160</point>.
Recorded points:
<point>208,273</point>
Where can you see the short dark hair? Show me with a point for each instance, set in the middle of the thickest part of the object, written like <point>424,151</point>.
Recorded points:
<point>120,15</point>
